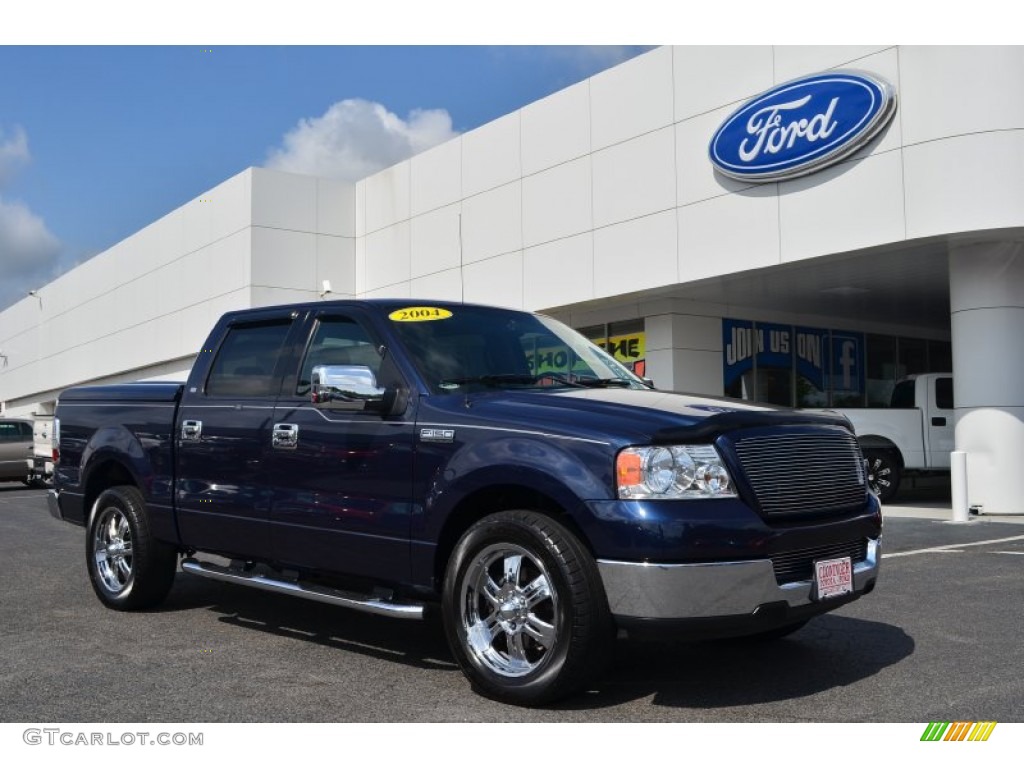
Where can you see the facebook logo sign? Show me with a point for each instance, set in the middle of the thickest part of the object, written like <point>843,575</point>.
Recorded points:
<point>847,363</point>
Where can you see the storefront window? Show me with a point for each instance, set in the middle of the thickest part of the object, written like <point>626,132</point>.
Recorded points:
<point>624,340</point>
<point>881,367</point>
<point>811,365</point>
<point>913,356</point>
<point>774,363</point>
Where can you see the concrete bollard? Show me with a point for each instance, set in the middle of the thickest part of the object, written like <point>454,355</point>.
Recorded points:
<point>958,483</point>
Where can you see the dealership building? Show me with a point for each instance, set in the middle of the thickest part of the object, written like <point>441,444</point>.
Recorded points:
<point>723,219</point>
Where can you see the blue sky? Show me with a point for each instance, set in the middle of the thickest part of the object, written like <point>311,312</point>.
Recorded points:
<point>96,142</point>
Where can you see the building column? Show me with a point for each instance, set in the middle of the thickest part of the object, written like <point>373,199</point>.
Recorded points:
<point>684,352</point>
<point>986,288</point>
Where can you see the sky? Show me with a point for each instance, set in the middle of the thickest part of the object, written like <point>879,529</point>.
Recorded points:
<point>114,113</point>
<point>96,142</point>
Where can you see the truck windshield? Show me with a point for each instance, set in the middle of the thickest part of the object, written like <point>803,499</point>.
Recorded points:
<point>479,348</point>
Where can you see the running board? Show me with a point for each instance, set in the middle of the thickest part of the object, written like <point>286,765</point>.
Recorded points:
<point>309,591</point>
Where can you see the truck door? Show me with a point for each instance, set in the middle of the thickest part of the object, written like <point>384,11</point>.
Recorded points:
<point>222,438</point>
<point>342,477</point>
<point>939,415</point>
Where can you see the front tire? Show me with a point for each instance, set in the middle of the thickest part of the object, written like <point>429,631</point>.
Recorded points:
<point>128,567</point>
<point>524,609</point>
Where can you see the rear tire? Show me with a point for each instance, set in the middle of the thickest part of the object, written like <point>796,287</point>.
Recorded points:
<point>128,567</point>
<point>524,609</point>
<point>884,473</point>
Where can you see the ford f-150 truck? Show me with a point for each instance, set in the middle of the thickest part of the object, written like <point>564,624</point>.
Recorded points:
<point>487,463</point>
<point>913,435</point>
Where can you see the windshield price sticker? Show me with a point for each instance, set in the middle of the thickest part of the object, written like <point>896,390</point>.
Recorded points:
<point>833,578</point>
<point>419,314</point>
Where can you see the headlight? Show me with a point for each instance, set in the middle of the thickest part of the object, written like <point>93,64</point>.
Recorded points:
<point>672,472</point>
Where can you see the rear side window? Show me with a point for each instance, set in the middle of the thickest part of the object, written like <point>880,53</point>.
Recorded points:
<point>944,393</point>
<point>15,432</point>
<point>246,361</point>
<point>903,394</point>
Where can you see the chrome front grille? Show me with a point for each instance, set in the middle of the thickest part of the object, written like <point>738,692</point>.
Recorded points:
<point>803,471</point>
<point>798,565</point>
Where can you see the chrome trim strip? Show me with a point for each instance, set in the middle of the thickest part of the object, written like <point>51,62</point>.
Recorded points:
<point>53,502</point>
<point>514,431</point>
<point>308,591</point>
<point>707,590</point>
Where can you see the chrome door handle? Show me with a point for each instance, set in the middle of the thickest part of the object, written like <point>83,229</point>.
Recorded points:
<point>191,430</point>
<point>285,436</point>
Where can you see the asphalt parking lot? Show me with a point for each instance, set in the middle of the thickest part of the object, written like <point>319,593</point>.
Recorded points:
<point>939,639</point>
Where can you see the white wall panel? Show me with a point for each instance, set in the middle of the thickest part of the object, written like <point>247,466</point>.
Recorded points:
<point>556,129</point>
<point>965,183</point>
<point>558,202</point>
<point>826,213</point>
<point>696,178</point>
<point>729,234</point>
<point>336,261</point>
<point>793,61</point>
<point>197,218</point>
<point>335,208</point>
<point>635,178</point>
<point>172,294</point>
<point>621,108</point>
<point>283,259</point>
<point>710,77</point>
<point>559,273</point>
<point>435,240</point>
<point>492,222</point>
<point>697,371</point>
<point>636,255</point>
<point>230,206</point>
<point>491,155</point>
<point>497,281</point>
<point>398,291</point>
<point>436,177</point>
<point>388,256</point>
<point>953,90</point>
<point>387,197</point>
<point>440,286</point>
<point>283,200</point>
<point>261,296</point>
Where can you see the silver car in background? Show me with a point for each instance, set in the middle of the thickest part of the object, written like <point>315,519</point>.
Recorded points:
<point>16,450</point>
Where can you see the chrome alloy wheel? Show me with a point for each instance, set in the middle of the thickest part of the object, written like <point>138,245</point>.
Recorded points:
<point>112,550</point>
<point>509,610</point>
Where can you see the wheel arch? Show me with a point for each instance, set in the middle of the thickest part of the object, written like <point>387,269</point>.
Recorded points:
<point>879,443</point>
<point>498,497</point>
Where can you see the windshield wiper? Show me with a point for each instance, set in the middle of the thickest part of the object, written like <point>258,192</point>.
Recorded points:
<point>499,379</point>
<point>616,381</point>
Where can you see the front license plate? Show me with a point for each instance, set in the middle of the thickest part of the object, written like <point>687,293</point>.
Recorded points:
<point>833,578</point>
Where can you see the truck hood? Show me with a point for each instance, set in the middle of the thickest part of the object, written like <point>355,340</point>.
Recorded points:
<point>630,415</point>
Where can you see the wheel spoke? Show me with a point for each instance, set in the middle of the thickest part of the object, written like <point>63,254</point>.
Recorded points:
<point>123,568</point>
<point>540,631</point>
<point>511,566</point>
<point>122,528</point>
<point>112,529</point>
<point>516,650</point>
<point>490,592</point>
<point>537,591</point>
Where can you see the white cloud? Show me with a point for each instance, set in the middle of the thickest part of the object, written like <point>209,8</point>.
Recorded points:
<point>356,138</point>
<point>13,153</point>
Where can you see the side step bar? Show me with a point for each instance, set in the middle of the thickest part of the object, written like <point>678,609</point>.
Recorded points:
<point>309,591</point>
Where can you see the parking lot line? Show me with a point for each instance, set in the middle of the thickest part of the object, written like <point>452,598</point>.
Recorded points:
<point>947,547</point>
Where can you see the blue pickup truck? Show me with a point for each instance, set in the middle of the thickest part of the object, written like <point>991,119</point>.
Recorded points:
<point>494,465</point>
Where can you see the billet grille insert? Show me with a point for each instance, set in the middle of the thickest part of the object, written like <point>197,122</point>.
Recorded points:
<point>803,471</point>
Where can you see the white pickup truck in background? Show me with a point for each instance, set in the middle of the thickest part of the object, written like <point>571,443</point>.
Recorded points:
<point>913,435</point>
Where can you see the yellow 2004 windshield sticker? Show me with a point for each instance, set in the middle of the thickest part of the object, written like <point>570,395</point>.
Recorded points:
<point>419,314</point>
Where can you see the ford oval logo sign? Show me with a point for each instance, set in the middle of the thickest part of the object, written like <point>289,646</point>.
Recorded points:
<point>802,126</point>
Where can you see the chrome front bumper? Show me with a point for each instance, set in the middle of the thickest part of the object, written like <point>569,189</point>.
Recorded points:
<point>711,590</point>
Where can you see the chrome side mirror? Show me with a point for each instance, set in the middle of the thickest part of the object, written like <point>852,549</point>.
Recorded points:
<point>345,387</point>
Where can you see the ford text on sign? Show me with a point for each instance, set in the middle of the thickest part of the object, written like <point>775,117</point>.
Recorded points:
<point>802,126</point>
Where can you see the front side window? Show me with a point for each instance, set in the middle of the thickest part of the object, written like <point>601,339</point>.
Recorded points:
<point>338,341</point>
<point>246,361</point>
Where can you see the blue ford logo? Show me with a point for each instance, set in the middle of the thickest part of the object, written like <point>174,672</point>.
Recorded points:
<point>802,126</point>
